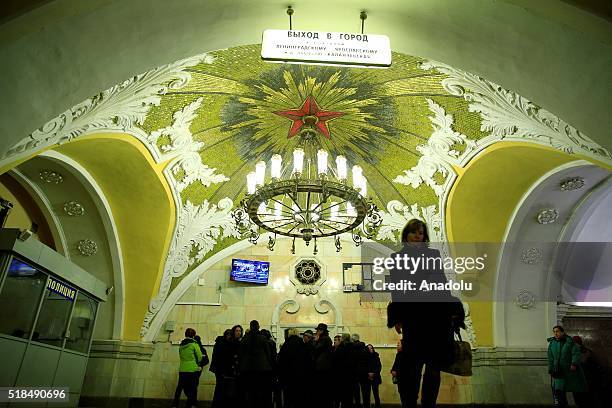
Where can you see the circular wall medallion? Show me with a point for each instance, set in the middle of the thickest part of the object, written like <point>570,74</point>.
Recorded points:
<point>87,247</point>
<point>531,256</point>
<point>548,216</point>
<point>51,177</point>
<point>73,208</point>
<point>525,299</point>
<point>307,272</point>
<point>572,183</point>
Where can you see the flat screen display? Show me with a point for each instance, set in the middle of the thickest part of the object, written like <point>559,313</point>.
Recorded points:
<point>244,270</point>
<point>20,268</point>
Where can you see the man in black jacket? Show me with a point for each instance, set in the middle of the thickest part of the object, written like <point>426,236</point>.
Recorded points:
<point>256,367</point>
<point>323,365</point>
<point>344,369</point>
<point>294,362</point>
<point>361,387</point>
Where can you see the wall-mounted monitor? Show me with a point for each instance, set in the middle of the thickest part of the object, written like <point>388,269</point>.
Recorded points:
<point>244,270</point>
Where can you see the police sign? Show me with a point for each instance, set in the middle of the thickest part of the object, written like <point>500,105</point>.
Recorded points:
<point>61,288</point>
<point>317,47</point>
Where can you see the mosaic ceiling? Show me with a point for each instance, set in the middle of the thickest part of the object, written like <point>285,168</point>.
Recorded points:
<point>250,110</point>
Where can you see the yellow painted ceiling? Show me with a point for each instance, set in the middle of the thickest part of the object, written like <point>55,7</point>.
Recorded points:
<point>142,208</point>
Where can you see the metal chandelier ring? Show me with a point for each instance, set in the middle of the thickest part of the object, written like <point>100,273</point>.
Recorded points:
<point>278,190</point>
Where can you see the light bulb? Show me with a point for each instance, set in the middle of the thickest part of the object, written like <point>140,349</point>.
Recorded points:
<point>357,175</point>
<point>278,208</point>
<point>364,186</point>
<point>262,209</point>
<point>350,210</point>
<point>260,173</point>
<point>322,161</point>
<point>333,211</point>
<point>298,160</point>
<point>251,177</point>
<point>275,166</point>
<point>315,212</point>
<point>341,167</point>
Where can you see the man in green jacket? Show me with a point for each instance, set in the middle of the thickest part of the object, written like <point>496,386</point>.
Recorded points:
<point>564,366</point>
<point>190,356</point>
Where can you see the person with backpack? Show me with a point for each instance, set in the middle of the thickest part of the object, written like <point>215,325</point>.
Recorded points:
<point>190,356</point>
<point>204,361</point>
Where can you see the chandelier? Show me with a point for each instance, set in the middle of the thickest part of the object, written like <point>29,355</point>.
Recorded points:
<point>307,199</point>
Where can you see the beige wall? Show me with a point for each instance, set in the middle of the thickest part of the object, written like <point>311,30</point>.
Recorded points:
<point>118,371</point>
<point>241,303</point>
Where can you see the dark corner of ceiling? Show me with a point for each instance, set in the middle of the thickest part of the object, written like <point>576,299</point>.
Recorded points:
<point>10,9</point>
<point>600,8</point>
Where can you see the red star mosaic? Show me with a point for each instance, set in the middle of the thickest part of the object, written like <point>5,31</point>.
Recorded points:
<point>309,115</point>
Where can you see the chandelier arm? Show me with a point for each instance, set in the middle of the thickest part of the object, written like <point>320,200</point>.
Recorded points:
<point>320,230</point>
<point>330,226</point>
<point>308,200</point>
<point>283,204</point>
<point>324,200</point>
<point>288,223</point>
<point>276,219</point>
<point>293,228</point>
<point>272,209</point>
<point>340,222</point>
<point>334,205</point>
<point>295,202</point>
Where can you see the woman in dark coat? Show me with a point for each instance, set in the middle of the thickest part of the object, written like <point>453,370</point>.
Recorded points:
<point>231,369</point>
<point>564,366</point>
<point>344,365</point>
<point>218,367</point>
<point>294,362</point>
<point>374,378</point>
<point>425,319</point>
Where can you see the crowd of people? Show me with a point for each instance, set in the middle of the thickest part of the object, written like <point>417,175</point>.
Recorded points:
<point>345,372</point>
<point>249,371</point>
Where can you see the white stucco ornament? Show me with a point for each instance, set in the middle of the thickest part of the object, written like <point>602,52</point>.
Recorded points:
<point>531,256</point>
<point>122,107</point>
<point>74,208</point>
<point>525,299</point>
<point>199,227</point>
<point>87,247</point>
<point>509,116</point>
<point>184,150</point>
<point>438,155</point>
<point>309,274</point>
<point>572,183</point>
<point>51,177</point>
<point>398,214</point>
<point>548,216</point>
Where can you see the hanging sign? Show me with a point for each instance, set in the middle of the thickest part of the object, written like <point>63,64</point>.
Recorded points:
<point>61,288</point>
<point>326,48</point>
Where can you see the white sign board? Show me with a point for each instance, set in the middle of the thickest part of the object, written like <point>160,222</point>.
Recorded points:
<point>318,47</point>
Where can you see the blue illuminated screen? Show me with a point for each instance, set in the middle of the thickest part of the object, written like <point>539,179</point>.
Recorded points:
<point>250,271</point>
<point>20,268</point>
